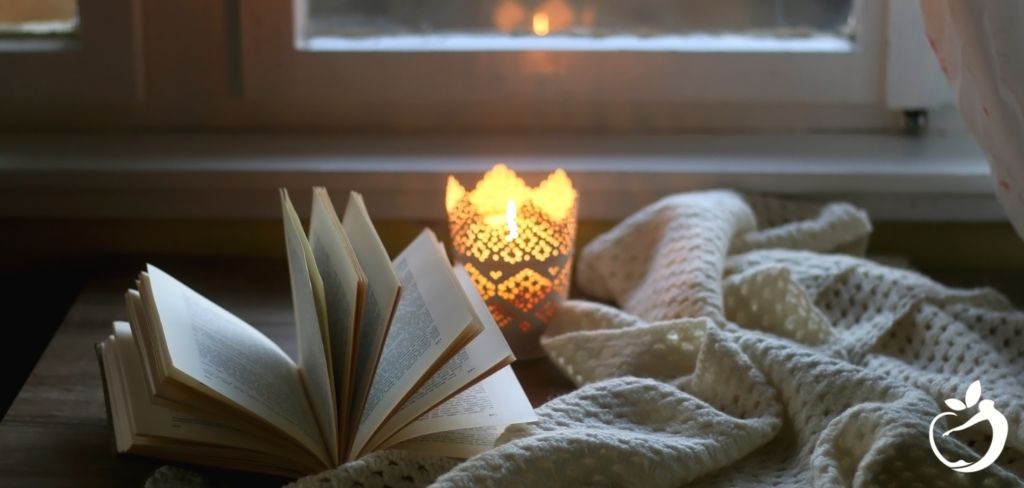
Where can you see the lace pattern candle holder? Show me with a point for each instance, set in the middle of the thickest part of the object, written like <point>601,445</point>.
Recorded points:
<point>516,242</point>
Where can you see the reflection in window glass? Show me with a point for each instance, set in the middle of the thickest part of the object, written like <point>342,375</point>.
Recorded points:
<point>38,17</point>
<point>577,17</point>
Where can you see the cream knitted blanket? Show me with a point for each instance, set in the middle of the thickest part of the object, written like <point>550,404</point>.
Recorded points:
<point>750,346</point>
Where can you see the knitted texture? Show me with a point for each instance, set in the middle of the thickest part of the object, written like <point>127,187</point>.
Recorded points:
<point>751,346</point>
<point>747,351</point>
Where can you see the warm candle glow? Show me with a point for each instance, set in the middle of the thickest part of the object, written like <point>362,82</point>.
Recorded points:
<point>588,16</point>
<point>508,16</point>
<point>558,15</point>
<point>510,218</point>
<point>540,24</point>
<point>516,243</point>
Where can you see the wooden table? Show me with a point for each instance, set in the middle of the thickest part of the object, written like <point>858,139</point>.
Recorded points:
<point>56,432</point>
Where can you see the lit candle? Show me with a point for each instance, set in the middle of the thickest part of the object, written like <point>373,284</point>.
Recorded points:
<point>516,242</point>
<point>540,24</point>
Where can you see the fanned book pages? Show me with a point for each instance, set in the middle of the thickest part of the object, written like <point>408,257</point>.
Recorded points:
<point>398,354</point>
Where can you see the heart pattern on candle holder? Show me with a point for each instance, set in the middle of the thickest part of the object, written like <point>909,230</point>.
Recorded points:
<point>516,243</point>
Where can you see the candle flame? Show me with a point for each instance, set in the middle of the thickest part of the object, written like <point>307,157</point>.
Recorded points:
<point>541,26</point>
<point>510,218</point>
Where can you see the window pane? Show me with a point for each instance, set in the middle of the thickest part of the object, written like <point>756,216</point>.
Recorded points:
<point>577,17</point>
<point>38,16</point>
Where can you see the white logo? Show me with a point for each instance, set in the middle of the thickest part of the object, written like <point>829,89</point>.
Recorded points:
<point>986,412</point>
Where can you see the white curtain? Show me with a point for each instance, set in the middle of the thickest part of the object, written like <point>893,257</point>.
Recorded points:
<point>980,46</point>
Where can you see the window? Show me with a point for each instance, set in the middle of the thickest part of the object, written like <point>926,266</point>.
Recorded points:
<point>490,20</point>
<point>326,66</point>
<point>68,51</point>
<point>699,65</point>
<point>455,65</point>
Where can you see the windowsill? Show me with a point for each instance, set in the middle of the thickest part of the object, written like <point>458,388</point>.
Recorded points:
<point>725,43</point>
<point>234,176</point>
<point>39,44</point>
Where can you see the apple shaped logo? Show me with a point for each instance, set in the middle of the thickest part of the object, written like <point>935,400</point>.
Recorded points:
<point>986,413</point>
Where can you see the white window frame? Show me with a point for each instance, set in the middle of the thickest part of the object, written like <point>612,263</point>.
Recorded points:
<point>913,77</point>
<point>101,63</point>
<point>796,85</point>
<point>274,69</point>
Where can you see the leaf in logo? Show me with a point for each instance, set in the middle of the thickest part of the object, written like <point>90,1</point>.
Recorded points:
<point>973,393</point>
<point>955,404</point>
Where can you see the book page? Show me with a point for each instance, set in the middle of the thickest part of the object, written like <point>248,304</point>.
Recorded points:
<point>344,290</point>
<point>432,315</point>
<point>148,420</point>
<point>136,318</point>
<point>461,444</point>
<point>219,354</point>
<point>498,399</point>
<point>484,355</point>
<point>383,291</point>
<point>310,326</point>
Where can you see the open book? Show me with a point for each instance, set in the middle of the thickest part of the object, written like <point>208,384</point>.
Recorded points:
<point>396,354</point>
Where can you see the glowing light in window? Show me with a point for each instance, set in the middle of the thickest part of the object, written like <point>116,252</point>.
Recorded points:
<point>508,16</point>
<point>540,24</point>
